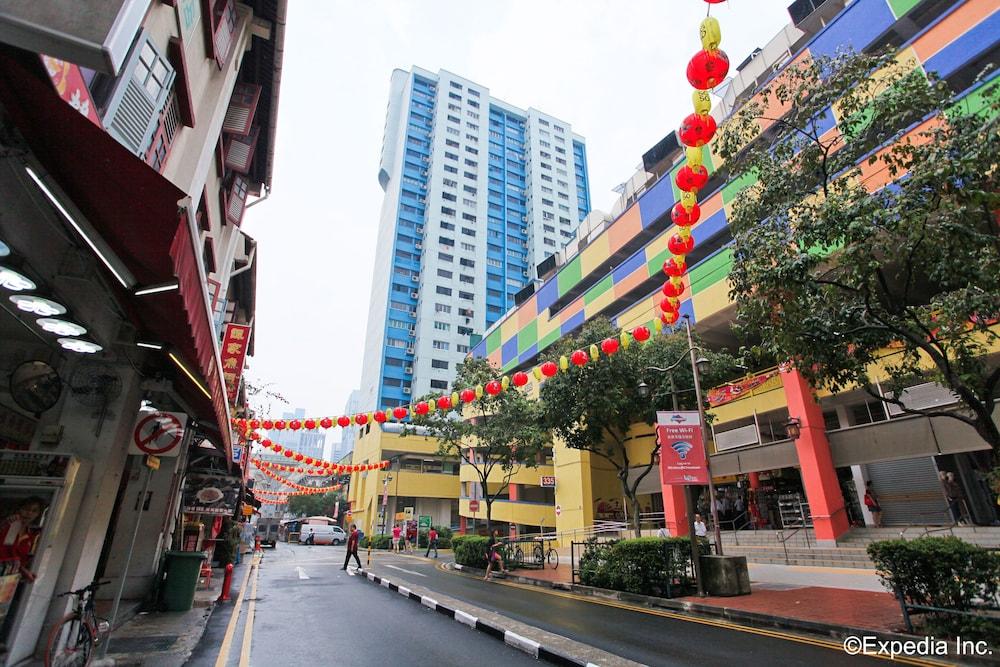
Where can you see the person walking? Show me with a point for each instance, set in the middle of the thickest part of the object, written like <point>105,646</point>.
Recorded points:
<point>493,554</point>
<point>956,497</point>
<point>395,538</point>
<point>700,529</point>
<point>432,543</point>
<point>411,536</point>
<point>873,505</point>
<point>352,547</point>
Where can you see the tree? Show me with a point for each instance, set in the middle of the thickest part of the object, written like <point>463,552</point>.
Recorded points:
<point>495,436</point>
<point>593,407</point>
<point>315,504</point>
<point>844,276</point>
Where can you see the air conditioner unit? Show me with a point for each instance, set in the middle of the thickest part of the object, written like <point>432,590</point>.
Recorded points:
<point>414,295</point>
<point>408,369</point>
<point>409,350</point>
<point>406,390</point>
<point>418,245</point>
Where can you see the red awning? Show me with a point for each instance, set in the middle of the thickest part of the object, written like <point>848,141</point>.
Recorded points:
<point>137,213</point>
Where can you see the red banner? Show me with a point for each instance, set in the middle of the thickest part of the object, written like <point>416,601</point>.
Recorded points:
<point>682,448</point>
<point>735,390</point>
<point>70,86</point>
<point>234,354</point>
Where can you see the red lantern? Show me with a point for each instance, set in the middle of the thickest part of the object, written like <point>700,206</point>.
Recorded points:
<point>679,246</point>
<point>579,358</point>
<point>254,423</point>
<point>361,419</point>
<point>380,417</point>
<point>277,449</point>
<point>421,408</point>
<point>279,424</point>
<point>691,179</point>
<point>707,69</point>
<point>266,443</point>
<point>299,470</point>
<point>399,413</point>
<point>669,316</point>
<point>697,130</point>
<point>288,453</point>
<point>684,218</point>
<point>326,422</point>
<point>640,334</point>
<point>299,458</point>
<point>295,424</point>
<point>444,403</point>
<point>343,421</point>
<point>308,461</point>
<point>667,306</point>
<point>714,2</point>
<point>467,395</point>
<point>674,268</point>
<point>549,369</point>
<point>310,424</point>
<point>519,379</point>
<point>254,435</point>
<point>609,346</point>
<point>493,387</point>
<point>267,424</point>
<point>672,290</point>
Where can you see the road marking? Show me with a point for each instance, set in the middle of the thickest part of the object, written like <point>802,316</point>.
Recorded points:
<point>728,625</point>
<point>248,624</point>
<point>406,571</point>
<point>302,573</point>
<point>227,641</point>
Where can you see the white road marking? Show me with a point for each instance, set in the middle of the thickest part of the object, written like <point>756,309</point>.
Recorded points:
<point>351,571</point>
<point>302,573</point>
<point>406,571</point>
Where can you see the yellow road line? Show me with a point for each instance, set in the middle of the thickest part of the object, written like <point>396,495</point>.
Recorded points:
<point>248,624</point>
<point>227,641</point>
<point>728,625</point>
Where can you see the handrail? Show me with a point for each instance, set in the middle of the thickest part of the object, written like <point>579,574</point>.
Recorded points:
<point>781,538</point>
<point>736,528</point>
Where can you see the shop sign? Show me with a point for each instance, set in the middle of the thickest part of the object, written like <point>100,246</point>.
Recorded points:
<point>30,464</point>
<point>408,512</point>
<point>152,462</point>
<point>208,493</point>
<point>547,482</point>
<point>736,390</point>
<point>237,453</point>
<point>70,86</point>
<point>424,521</point>
<point>400,516</point>
<point>234,354</point>
<point>682,448</point>
<point>158,433</point>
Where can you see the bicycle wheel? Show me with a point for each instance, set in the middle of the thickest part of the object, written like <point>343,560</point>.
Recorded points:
<point>71,643</point>
<point>538,554</point>
<point>518,558</point>
<point>553,558</point>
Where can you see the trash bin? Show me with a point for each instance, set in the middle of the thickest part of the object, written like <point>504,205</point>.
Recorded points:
<point>181,571</point>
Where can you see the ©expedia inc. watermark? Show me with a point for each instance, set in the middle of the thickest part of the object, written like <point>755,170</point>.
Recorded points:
<point>924,647</point>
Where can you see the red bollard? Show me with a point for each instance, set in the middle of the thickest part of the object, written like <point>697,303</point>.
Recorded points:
<point>227,583</point>
<point>256,543</point>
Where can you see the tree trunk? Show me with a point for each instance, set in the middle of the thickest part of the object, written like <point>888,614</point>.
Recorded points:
<point>489,513</point>
<point>635,520</point>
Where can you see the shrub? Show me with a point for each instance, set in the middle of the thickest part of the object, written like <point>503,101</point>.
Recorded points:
<point>377,542</point>
<point>646,565</point>
<point>942,572</point>
<point>470,550</point>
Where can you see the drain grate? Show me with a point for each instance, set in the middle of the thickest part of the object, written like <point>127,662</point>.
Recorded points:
<point>151,644</point>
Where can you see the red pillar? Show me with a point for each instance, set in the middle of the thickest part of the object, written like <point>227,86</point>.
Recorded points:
<point>512,494</point>
<point>754,480</point>
<point>819,477</point>
<point>461,525</point>
<point>675,510</point>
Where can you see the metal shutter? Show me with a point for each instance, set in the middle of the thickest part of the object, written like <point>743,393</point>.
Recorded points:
<point>239,151</point>
<point>242,107</point>
<point>909,492</point>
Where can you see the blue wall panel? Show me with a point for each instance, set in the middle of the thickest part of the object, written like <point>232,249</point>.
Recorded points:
<point>656,202</point>
<point>855,28</point>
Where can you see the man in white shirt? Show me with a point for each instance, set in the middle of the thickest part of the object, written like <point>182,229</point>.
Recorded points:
<point>700,529</point>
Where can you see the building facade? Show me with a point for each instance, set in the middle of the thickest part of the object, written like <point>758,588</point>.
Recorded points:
<point>615,272</point>
<point>477,194</point>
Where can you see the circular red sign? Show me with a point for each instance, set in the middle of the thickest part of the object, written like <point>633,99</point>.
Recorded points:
<point>158,433</point>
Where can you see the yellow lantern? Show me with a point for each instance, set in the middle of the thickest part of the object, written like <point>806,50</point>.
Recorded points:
<point>594,354</point>
<point>625,339</point>
<point>688,200</point>
<point>505,382</point>
<point>537,372</point>
<point>563,363</point>
<point>479,391</point>
<point>694,157</point>
<point>711,34</point>
<point>702,102</point>
<point>454,400</point>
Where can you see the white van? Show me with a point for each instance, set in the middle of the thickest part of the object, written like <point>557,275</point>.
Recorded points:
<point>322,534</point>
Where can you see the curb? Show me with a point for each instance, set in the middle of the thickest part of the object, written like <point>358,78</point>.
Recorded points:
<point>529,646</point>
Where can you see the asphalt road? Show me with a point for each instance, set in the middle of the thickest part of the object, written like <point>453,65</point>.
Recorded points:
<point>640,636</point>
<point>310,612</point>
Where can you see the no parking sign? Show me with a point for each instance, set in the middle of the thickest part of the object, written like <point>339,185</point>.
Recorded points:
<point>158,433</point>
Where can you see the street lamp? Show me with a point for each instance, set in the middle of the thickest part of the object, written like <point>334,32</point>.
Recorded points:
<point>793,428</point>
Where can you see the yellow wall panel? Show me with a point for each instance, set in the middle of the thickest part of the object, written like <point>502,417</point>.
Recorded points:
<point>594,254</point>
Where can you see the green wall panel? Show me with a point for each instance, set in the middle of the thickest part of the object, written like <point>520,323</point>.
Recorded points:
<point>598,289</point>
<point>655,265</point>
<point>711,271</point>
<point>569,276</point>
<point>548,339</point>
<point>733,187</point>
<point>900,7</point>
<point>493,341</point>
<point>527,336</point>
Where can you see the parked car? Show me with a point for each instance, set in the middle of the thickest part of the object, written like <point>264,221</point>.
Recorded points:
<point>267,531</point>
<point>322,534</point>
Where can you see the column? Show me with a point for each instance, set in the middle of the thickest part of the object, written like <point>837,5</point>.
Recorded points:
<point>675,509</point>
<point>461,525</point>
<point>754,478</point>
<point>819,477</point>
<point>512,494</point>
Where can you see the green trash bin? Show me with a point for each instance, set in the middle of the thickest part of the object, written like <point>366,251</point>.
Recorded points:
<point>181,578</point>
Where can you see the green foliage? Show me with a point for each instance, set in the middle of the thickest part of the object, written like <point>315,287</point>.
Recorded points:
<point>645,565</point>
<point>470,550</point>
<point>444,538</point>
<point>943,572</point>
<point>315,504</point>
<point>377,542</point>
<point>830,274</point>
<point>592,407</point>
<point>506,430</point>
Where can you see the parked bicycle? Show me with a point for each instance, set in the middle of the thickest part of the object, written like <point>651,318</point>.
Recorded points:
<point>73,639</point>
<point>542,556</point>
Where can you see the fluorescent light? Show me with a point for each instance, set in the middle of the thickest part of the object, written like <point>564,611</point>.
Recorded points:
<point>154,289</point>
<point>4,249</point>
<point>151,346</point>
<point>61,327</point>
<point>191,377</point>
<point>82,346</point>
<point>90,236</point>
<point>37,305</point>
<point>14,281</point>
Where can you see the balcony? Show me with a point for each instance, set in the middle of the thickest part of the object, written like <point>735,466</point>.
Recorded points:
<point>526,476</point>
<point>520,512</point>
<point>423,485</point>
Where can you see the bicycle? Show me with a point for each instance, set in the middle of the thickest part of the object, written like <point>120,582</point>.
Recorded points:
<point>72,639</point>
<point>542,556</point>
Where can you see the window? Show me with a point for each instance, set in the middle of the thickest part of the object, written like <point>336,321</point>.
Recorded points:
<point>471,137</point>
<point>456,85</point>
<point>442,326</point>
<point>547,202</point>
<point>543,122</point>
<point>450,169</point>
<point>549,228</point>
<point>473,151</point>
<point>444,291</point>
<point>471,163</point>
<point>466,262</point>
<point>470,189</point>
<point>454,107</point>
<point>450,156</point>
<point>546,178</point>
<point>563,184</point>
<point>454,119</point>
<point>454,131</point>
<point>447,196</point>
<point>467,279</point>
<point>548,215</point>
<point>458,348</point>
<point>392,361</point>
<point>469,247</point>
<point>448,211</point>
<point>469,202</point>
<point>563,195</point>
<point>445,258</point>
<point>549,242</point>
<point>447,225</point>
<point>545,165</point>
<point>559,160</point>
<point>449,142</point>
<point>473,126</point>
<point>547,156</point>
<point>442,308</point>
<point>444,240</point>
<point>395,342</point>
<point>464,331</point>
<point>474,104</point>
<point>472,114</point>
<point>468,296</point>
<point>468,232</point>
<point>440,345</point>
<point>438,363</point>
<point>469,217</point>
<point>439,384</point>
<point>470,175</point>
<point>448,183</point>
<point>443,273</point>
<point>560,130</point>
<point>564,208</point>
<point>455,96</point>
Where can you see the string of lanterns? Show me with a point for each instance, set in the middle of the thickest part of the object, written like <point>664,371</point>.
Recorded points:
<point>328,467</point>
<point>286,468</point>
<point>299,487</point>
<point>706,70</point>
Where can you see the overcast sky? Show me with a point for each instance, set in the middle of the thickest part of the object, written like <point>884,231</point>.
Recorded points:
<point>614,70</point>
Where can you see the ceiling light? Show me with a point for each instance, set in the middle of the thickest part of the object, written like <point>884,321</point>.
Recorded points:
<point>4,249</point>
<point>61,327</point>
<point>82,346</point>
<point>196,381</point>
<point>151,346</point>
<point>154,289</point>
<point>37,305</point>
<point>14,281</point>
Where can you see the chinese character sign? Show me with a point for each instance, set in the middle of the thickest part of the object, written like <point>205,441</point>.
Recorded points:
<point>69,83</point>
<point>682,448</point>
<point>234,353</point>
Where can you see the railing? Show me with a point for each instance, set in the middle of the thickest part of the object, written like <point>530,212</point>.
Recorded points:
<point>950,528</point>
<point>741,521</point>
<point>987,610</point>
<point>677,576</point>
<point>783,539</point>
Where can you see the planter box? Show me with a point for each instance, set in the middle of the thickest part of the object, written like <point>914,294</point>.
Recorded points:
<point>725,576</point>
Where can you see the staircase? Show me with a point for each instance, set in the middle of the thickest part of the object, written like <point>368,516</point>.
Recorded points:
<point>763,546</point>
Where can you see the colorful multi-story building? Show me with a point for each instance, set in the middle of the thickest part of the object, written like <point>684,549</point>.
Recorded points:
<point>478,193</point>
<point>615,272</point>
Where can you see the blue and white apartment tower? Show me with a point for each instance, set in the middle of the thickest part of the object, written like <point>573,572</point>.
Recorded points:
<point>477,194</point>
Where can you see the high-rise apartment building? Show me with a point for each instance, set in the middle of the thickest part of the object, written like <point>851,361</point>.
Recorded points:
<point>477,194</point>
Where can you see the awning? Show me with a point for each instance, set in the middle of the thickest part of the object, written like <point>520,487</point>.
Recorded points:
<point>138,214</point>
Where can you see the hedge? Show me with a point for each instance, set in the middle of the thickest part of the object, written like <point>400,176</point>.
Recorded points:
<point>470,550</point>
<point>943,572</point>
<point>645,565</point>
<point>377,542</point>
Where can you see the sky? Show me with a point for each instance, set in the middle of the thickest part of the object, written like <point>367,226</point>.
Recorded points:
<point>613,70</point>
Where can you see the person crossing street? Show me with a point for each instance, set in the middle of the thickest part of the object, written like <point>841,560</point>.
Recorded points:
<point>352,547</point>
<point>432,543</point>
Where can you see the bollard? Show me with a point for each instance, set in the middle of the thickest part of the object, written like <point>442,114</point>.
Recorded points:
<point>227,583</point>
<point>256,543</point>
